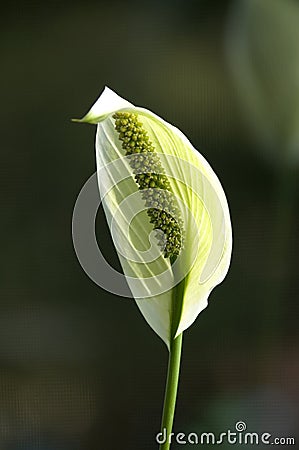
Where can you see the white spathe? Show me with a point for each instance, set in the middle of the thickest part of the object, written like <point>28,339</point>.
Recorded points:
<point>205,257</point>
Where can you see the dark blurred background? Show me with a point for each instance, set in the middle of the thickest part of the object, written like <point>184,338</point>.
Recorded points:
<point>79,368</point>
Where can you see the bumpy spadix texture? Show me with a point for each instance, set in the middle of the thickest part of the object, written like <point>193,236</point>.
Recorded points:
<point>197,232</point>
<point>161,206</point>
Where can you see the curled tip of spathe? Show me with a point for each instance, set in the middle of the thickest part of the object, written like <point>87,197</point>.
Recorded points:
<point>86,119</point>
<point>150,177</point>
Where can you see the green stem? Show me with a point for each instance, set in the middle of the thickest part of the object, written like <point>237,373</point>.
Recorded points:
<point>174,360</point>
<point>173,372</point>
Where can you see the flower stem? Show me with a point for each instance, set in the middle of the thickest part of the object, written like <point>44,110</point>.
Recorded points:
<point>173,372</point>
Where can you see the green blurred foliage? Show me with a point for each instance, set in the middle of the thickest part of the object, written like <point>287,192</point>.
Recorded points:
<point>80,369</point>
<point>263,51</point>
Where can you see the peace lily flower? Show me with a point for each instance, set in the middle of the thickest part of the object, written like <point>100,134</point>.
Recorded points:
<point>168,218</point>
